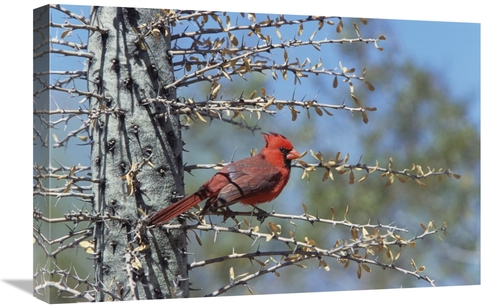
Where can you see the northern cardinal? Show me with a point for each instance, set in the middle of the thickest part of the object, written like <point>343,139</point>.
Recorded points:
<point>251,181</point>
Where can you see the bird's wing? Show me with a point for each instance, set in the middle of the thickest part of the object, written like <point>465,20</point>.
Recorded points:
<point>249,182</point>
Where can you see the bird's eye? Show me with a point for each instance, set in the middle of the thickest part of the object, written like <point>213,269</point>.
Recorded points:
<point>284,151</point>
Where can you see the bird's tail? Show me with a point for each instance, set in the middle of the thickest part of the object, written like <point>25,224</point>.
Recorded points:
<point>166,214</point>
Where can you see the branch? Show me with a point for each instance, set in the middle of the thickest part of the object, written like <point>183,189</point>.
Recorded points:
<point>343,251</point>
<point>341,167</point>
<point>77,217</point>
<point>252,28</point>
<point>80,18</point>
<point>69,44</point>
<point>63,287</point>
<point>234,107</point>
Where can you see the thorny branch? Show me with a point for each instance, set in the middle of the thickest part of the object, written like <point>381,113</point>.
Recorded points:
<point>343,168</point>
<point>251,105</point>
<point>343,251</point>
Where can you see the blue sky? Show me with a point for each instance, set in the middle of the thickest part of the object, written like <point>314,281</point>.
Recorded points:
<point>454,46</point>
<point>449,47</point>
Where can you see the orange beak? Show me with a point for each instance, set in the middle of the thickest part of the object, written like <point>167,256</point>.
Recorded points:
<point>293,155</point>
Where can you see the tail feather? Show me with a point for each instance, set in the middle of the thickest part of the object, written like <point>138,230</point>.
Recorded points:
<point>170,212</point>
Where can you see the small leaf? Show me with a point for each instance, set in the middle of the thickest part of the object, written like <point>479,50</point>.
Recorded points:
<point>251,17</point>
<point>340,26</point>
<point>389,254</point>
<point>226,74</point>
<point>370,86</point>
<point>319,156</point>
<point>354,233</point>
<point>423,226</point>
<point>325,265</point>
<point>72,171</point>
<point>364,116</point>
<point>233,39</point>
<point>156,33</point>
<point>65,33</point>
<point>431,225</point>
<point>401,179</point>
<point>366,267</point>
<point>325,175</point>
<point>278,33</point>
<point>356,29</point>
<point>136,264</point>
<point>300,30</point>
<point>398,254</point>
<point>198,239</point>
<point>142,247</point>
<point>390,180</point>
<point>318,111</point>
<point>216,18</point>
<point>412,262</point>
<point>320,24</point>
<point>284,73</point>
<point>199,116</point>
<point>356,100</point>
<point>88,246</point>
<point>363,178</point>
<point>294,113</point>
<point>260,262</point>
<point>269,103</point>
<point>273,227</point>
<point>420,183</point>
<point>231,273</point>
<point>216,89</point>
<point>335,82</point>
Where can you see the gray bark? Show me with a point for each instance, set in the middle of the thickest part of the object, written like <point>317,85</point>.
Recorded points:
<point>125,69</point>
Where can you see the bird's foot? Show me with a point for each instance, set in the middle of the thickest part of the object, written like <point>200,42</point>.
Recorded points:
<point>227,214</point>
<point>261,215</point>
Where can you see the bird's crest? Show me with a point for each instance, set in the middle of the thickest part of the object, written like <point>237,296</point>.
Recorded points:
<point>276,140</point>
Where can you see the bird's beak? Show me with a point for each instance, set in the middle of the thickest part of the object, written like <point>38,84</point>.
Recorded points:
<point>293,155</point>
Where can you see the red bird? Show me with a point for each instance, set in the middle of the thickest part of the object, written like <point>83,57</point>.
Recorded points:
<point>251,181</point>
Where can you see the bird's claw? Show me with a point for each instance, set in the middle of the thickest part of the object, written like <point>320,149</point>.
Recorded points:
<point>261,215</point>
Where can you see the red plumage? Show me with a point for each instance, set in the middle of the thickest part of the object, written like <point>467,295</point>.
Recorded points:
<point>253,180</point>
